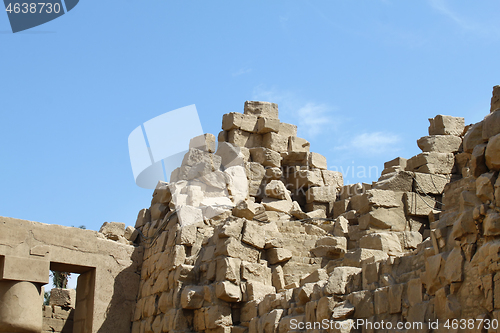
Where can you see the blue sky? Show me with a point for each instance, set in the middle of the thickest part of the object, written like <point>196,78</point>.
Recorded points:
<point>359,78</point>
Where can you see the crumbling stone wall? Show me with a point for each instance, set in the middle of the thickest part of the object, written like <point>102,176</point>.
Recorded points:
<point>59,314</point>
<point>299,247</point>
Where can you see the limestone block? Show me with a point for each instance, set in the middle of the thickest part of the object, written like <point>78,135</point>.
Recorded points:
<point>256,272</point>
<point>231,155</point>
<point>342,310</point>
<point>325,308</point>
<point>276,189</point>
<point>484,186</point>
<point>63,297</point>
<point>491,125</point>
<point>275,141</point>
<point>330,247</point>
<point>113,230</point>
<point>305,178</point>
<point>410,239</point>
<point>257,291</point>
<point>473,137</point>
<point>296,144</point>
<point>24,269</point>
<point>201,160</point>
<point>161,193</point>
<point>218,316</point>
<point>430,183</point>
<point>266,125</point>
<point>295,159</point>
<point>261,109</point>
<point>222,136</point>
<point>245,209</point>
<point>332,178</point>
<point>340,279</point>
<point>192,297</point>
<point>441,163</point>
<point>254,235</point>
<point>233,248</point>
<point>492,152</point>
<point>323,194</point>
<point>394,295</point>
<point>446,125</point>
<point>375,198</point>
<point>271,320</point>
<point>478,161</point>
<point>386,242</point>
<point>454,266</point>
<point>231,228</point>
<point>440,143</point>
<point>277,255</point>
<point>237,183</point>
<point>249,123</point>
<point>491,223</point>
<point>283,206</point>
<point>255,174</point>
<point>204,142</point>
<point>189,215</point>
<point>143,217</point>
<point>278,278</point>
<point>401,181</point>
<point>231,121</point>
<point>384,218</point>
<point>419,204</point>
<point>228,269</point>
<point>317,161</point>
<point>266,157</point>
<point>228,291</point>
<point>381,300</point>
<point>356,257</point>
<point>242,138</point>
<point>341,227</point>
<point>288,130</point>
<point>397,162</point>
<point>317,275</point>
<point>249,311</point>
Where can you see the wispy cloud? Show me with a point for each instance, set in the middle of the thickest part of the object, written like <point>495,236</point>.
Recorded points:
<point>442,7</point>
<point>312,118</point>
<point>242,71</point>
<point>373,143</point>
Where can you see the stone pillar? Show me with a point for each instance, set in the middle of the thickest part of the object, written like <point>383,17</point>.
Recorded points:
<point>20,307</point>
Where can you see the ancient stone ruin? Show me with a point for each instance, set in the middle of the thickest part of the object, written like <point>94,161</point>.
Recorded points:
<point>254,234</point>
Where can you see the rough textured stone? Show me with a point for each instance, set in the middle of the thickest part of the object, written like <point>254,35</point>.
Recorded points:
<point>492,153</point>
<point>446,125</point>
<point>387,242</point>
<point>266,157</point>
<point>439,143</point>
<point>473,137</point>
<point>277,255</point>
<point>491,125</point>
<point>261,109</point>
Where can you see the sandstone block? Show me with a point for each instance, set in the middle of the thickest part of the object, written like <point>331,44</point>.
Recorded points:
<point>271,320</point>
<point>397,162</point>
<point>231,121</point>
<point>254,235</point>
<point>296,144</point>
<point>492,152</point>
<point>341,227</point>
<point>473,137</point>
<point>113,230</point>
<point>491,125</point>
<point>278,278</point>
<point>484,186</point>
<point>266,125</point>
<point>277,255</point>
<point>228,269</point>
<point>495,99</point>
<point>283,206</point>
<point>332,178</point>
<point>381,300</point>
<point>266,157</point>
<point>261,109</point>
<point>430,183</point>
<point>439,143</point>
<point>305,178</point>
<point>419,204</point>
<point>342,310</point>
<point>375,198</point>
<point>478,161</point>
<point>441,163</point>
<point>256,272</point>
<point>401,181</point>
<point>357,257</point>
<point>317,161</point>
<point>249,123</point>
<point>491,223</point>
<point>189,215</point>
<point>446,125</point>
<point>386,242</point>
<point>192,297</point>
<point>323,194</point>
<point>395,294</point>
<point>63,297</point>
<point>257,291</point>
<point>232,155</point>
<point>228,291</point>
<point>288,130</point>
<point>245,209</point>
<point>233,248</point>
<point>276,189</point>
<point>205,142</point>
<point>218,316</point>
<point>340,279</point>
<point>275,141</point>
<point>453,267</point>
<point>384,218</point>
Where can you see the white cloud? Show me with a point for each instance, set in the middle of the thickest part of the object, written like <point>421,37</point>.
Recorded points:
<point>442,7</point>
<point>373,143</point>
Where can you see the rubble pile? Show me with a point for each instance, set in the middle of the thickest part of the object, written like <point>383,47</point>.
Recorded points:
<point>258,235</point>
